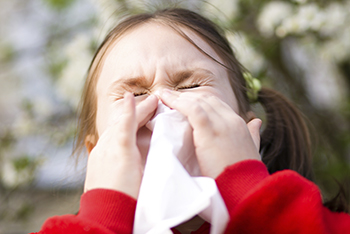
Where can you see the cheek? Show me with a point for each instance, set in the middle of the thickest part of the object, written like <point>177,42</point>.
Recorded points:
<point>226,94</point>
<point>229,97</point>
<point>107,114</point>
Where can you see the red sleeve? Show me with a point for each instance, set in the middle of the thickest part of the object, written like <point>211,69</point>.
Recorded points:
<point>102,211</point>
<point>283,202</point>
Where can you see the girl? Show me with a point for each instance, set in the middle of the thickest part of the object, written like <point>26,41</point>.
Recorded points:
<point>186,60</point>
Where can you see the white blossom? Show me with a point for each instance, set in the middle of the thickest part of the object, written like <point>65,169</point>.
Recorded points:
<point>307,17</point>
<point>336,17</point>
<point>322,79</point>
<point>281,19</point>
<point>310,16</point>
<point>12,177</point>
<point>291,25</point>
<point>272,15</point>
<point>245,53</point>
<point>337,29</point>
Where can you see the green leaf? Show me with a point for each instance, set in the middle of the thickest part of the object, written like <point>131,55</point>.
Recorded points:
<point>59,4</point>
<point>23,163</point>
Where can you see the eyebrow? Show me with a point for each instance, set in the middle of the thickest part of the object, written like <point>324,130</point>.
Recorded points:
<point>174,79</point>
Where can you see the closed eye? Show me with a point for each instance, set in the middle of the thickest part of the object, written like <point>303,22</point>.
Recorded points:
<point>139,93</point>
<point>189,86</point>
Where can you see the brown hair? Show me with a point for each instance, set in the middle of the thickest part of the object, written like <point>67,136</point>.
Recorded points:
<point>285,141</point>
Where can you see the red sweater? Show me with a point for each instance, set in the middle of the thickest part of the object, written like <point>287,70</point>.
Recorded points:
<point>257,202</point>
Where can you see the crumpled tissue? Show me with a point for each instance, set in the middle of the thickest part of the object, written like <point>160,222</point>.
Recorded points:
<point>172,189</point>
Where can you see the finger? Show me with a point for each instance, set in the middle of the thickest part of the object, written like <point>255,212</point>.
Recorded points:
<point>254,128</point>
<point>189,105</point>
<point>127,123</point>
<point>168,97</point>
<point>203,111</point>
<point>184,102</point>
<point>146,109</point>
<point>129,114</point>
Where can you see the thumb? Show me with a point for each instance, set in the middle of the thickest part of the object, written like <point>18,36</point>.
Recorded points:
<point>254,129</point>
<point>146,109</point>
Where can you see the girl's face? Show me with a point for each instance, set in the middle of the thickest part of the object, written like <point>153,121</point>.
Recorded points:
<point>152,57</point>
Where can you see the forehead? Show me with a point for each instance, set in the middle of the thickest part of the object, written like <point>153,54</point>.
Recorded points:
<point>154,44</point>
<point>158,35</point>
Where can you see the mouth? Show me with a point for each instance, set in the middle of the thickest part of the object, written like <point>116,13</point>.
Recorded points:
<point>143,140</point>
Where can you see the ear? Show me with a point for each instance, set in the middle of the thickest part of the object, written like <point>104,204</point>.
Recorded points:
<point>90,142</point>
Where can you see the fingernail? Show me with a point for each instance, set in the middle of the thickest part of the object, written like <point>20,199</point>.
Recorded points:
<point>165,92</point>
<point>152,96</point>
<point>156,93</point>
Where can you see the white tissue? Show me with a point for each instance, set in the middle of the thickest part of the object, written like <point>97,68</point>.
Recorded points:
<point>172,190</point>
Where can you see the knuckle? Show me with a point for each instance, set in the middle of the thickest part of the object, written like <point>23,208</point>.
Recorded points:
<point>198,110</point>
<point>201,116</point>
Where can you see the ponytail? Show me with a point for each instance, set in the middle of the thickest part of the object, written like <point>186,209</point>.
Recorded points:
<point>285,142</point>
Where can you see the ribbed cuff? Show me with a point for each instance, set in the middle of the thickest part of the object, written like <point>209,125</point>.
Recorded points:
<point>111,209</point>
<point>237,180</point>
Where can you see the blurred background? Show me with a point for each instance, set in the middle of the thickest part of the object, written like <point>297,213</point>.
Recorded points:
<point>299,47</point>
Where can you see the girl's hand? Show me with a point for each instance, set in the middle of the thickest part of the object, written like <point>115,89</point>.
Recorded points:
<point>115,161</point>
<point>221,137</point>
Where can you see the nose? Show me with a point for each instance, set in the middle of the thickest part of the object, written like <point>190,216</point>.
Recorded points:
<point>161,80</point>
<point>157,89</point>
